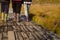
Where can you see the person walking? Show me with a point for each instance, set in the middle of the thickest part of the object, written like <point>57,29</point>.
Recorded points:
<point>27,4</point>
<point>16,4</point>
<point>4,9</point>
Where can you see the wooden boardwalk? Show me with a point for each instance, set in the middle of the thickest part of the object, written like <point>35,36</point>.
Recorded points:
<point>25,31</point>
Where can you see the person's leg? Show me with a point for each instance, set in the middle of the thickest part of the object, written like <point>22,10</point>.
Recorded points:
<point>2,10</point>
<point>26,11</point>
<point>6,11</point>
<point>18,10</point>
<point>14,10</point>
<point>28,7</point>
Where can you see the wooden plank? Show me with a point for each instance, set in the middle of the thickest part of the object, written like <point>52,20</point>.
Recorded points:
<point>14,27</point>
<point>29,28</point>
<point>10,28</point>
<point>17,28</point>
<point>30,36</point>
<point>16,35</point>
<point>39,35</point>
<point>33,26</point>
<point>25,37</point>
<point>5,29</point>
<point>0,36</point>
<point>20,37</point>
<point>11,35</point>
<point>35,36</point>
<point>1,29</point>
<point>43,36</point>
<point>22,29</point>
<point>4,36</point>
<point>36,28</point>
<point>25,28</point>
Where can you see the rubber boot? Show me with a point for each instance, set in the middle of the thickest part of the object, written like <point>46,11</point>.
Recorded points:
<point>2,16</point>
<point>5,18</point>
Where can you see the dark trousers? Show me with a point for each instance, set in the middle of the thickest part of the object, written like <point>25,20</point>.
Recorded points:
<point>16,6</point>
<point>5,7</point>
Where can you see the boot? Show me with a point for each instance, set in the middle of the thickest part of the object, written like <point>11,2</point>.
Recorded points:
<point>2,16</point>
<point>5,18</point>
<point>27,18</point>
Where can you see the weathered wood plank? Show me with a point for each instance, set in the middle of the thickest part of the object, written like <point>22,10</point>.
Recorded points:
<point>4,36</point>
<point>25,37</point>
<point>0,36</point>
<point>30,36</point>
<point>36,38</point>
<point>25,28</point>
<point>11,35</point>
<point>20,36</point>
<point>29,28</point>
<point>22,29</point>
<point>16,36</point>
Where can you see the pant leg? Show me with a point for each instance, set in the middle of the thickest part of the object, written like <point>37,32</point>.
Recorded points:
<point>14,6</point>
<point>25,9</point>
<point>4,7</point>
<point>18,7</point>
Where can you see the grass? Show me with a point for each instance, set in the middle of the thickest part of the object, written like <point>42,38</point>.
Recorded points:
<point>47,15</point>
<point>46,1</point>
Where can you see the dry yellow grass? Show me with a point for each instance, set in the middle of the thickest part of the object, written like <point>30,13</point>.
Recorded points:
<point>47,15</point>
<point>45,8</point>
